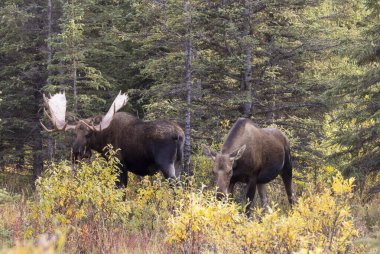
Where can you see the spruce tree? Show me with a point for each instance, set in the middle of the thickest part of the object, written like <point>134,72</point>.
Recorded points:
<point>23,71</point>
<point>356,93</point>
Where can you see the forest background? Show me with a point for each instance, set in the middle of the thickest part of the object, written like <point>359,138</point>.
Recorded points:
<point>310,68</point>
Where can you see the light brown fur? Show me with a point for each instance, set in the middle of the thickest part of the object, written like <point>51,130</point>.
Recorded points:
<point>255,156</point>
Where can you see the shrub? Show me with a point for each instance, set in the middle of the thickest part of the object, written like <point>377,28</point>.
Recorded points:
<point>92,216</point>
<point>319,223</point>
<point>85,202</point>
<point>151,203</point>
<point>201,223</point>
<point>202,169</point>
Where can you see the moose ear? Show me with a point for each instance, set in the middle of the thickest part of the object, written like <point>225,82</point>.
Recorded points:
<point>238,153</point>
<point>208,152</point>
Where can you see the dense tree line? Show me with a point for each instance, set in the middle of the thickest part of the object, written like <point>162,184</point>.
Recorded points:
<point>309,67</point>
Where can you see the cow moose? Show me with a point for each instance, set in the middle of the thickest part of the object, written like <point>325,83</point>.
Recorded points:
<point>144,147</point>
<point>254,156</point>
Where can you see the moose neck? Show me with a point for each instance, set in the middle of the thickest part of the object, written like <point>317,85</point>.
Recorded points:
<point>235,136</point>
<point>98,141</point>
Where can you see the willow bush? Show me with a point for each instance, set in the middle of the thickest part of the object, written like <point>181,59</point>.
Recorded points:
<point>319,222</point>
<point>84,210</point>
<point>82,202</point>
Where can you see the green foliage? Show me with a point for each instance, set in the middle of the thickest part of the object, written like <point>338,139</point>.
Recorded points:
<point>315,74</point>
<point>202,169</point>
<point>354,120</point>
<point>16,182</point>
<point>6,197</point>
<point>20,76</point>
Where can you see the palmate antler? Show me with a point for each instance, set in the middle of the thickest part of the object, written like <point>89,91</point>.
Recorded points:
<point>119,102</point>
<point>56,106</point>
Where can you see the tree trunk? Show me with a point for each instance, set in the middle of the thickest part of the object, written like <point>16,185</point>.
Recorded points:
<point>37,135</point>
<point>20,154</point>
<point>49,10</point>
<point>188,86</point>
<point>75,91</point>
<point>51,141</point>
<point>247,51</point>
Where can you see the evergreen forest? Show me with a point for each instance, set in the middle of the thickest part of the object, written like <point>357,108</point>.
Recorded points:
<point>310,68</point>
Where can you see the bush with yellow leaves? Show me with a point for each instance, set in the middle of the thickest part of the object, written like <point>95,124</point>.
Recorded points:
<point>202,223</point>
<point>96,217</point>
<point>319,223</point>
<point>151,200</point>
<point>83,201</point>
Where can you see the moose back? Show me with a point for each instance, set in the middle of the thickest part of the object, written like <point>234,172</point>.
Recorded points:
<point>144,147</point>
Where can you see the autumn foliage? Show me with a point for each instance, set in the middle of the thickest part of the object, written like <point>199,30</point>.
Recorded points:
<point>320,223</point>
<point>82,211</point>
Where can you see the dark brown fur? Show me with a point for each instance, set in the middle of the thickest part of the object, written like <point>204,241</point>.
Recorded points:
<point>145,147</point>
<point>254,156</point>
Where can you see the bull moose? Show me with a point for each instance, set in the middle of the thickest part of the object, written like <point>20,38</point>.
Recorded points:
<point>144,147</point>
<point>254,156</point>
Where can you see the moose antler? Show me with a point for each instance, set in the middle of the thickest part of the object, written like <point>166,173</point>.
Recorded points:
<point>56,106</point>
<point>119,102</point>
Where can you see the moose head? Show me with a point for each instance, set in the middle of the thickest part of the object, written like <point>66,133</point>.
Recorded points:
<point>85,129</point>
<point>223,167</point>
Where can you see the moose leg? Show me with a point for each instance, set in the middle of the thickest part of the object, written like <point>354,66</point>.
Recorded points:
<point>262,194</point>
<point>287,179</point>
<point>178,168</point>
<point>251,194</point>
<point>288,187</point>
<point>123,176</point>
<point>165,155</point>
<point>179,158</point>
<point>123,179</point>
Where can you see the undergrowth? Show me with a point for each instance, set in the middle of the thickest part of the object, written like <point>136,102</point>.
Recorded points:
<point>81,211</point>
